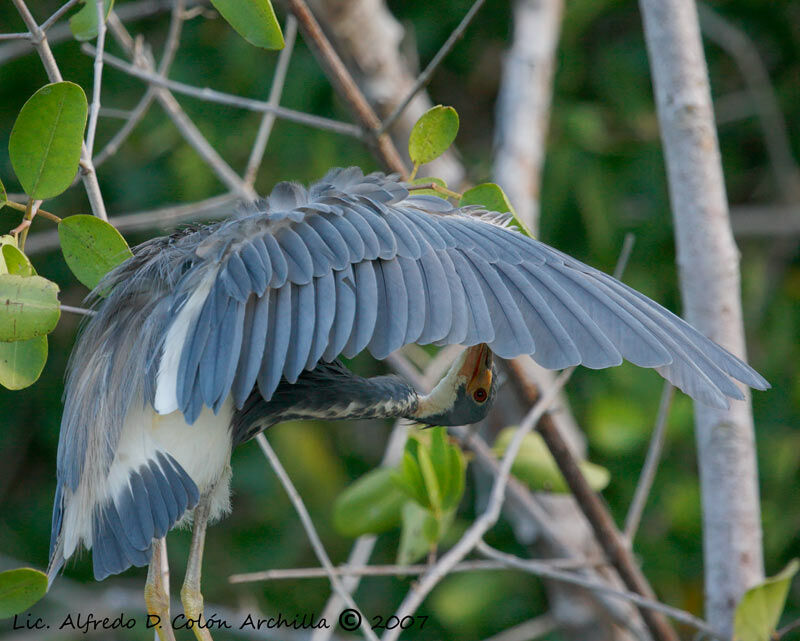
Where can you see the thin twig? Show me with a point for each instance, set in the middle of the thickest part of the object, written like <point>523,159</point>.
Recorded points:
<point>308,526</point>
<point>140,110</point>
<point>624,255</point>
<point>211,95</point>
<point>62,10</point>
<point>782,632</point>
<point>651,462</point>
<point>541,569</point>
<point>394,570</point>
<point>77,310</point>
<point>527,630</point>
<point>24,35</point>
<point>278,80</point>
<point>94,112</point>
<point>345,86</point>
<point>39,41</point>
<point>424,78</point>
<point>486,520</point>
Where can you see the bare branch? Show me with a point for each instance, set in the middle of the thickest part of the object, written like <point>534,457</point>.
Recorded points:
<point>94,111</point>
<point>278,79</point>
<point>26,35</point>
<point>426,75</point>
<point>345,86</point>
<point>648,473</point>
<point>523,105</point>
<point>77,310</point>
<point>708,263</point>
<point>58,13</point>
<point>210,95</point>
<point>541,569</point>
<point>308,526</point>
<point>393,570</point>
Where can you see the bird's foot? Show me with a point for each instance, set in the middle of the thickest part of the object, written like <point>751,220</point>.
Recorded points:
<point>192,601</point>
<point>157,602</point>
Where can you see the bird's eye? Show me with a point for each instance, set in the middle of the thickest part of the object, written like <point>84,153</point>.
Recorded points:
<point>479,395</point>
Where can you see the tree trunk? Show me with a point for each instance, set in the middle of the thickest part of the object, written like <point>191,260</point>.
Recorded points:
<point>708,263</point>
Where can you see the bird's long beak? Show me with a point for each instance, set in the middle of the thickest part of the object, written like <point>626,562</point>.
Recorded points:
<point>477,367</point>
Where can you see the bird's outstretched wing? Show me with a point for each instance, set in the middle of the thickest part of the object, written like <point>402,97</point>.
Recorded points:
<point>356,262</point>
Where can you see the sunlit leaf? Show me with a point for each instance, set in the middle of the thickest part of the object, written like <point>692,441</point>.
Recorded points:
<point>493,198</point>
<point>536,467</point>
<point>28,307</point>
<point>371,505</point>
<point>760,609</point>
<point>20,589</point>
<point>84,23</point>
<point>432,134</point>
<point>432,490</point>
<point>91,247</point>
<point>45,143</point>
<point>254,20</point>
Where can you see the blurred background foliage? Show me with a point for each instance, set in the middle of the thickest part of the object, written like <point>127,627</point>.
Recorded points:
<point>604,177</point>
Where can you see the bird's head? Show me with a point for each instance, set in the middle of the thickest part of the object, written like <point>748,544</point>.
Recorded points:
<point>465,394</point>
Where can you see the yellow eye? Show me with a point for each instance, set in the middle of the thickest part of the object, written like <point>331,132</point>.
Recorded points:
<point>480,395</point>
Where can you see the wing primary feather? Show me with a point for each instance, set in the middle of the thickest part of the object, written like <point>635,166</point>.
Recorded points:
<point>366,290</point>
<point>229,348</point>
<point>479,322</point>
<point>325,306</point>
<point>459,311</point>
<point>345,314</point>
<point>277,344</point>
<point>392,309</point>
<point>302,335</point>
<point>412,277</point>
<point>254,336</point>
<point>438,293</point>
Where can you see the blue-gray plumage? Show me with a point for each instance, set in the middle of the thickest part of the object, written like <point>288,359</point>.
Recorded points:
<point>212,334</point>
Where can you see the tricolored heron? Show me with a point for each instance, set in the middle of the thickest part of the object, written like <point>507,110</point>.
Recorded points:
<point>208,336</point>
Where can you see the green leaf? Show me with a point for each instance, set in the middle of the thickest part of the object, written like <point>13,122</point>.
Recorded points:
<point>414,544</point>
<point>3,195</point>
<point>457,472</point>
<point>439,459</point>
<point>536,467</point>
<point>84,23</point>
<point>432,490</point>
<point>254,20</point>
<point>20,589</point>
<point>45,143</point>
<point>430,192</point>
<point>493,198</point>
<point>22,362</point>
<point>14,261</point>
<point>409,477</point>
<point>759,611</point>
<point>371,505</point>
<point>28,307</point>
<point>432,134</point>
<point>91,247</point>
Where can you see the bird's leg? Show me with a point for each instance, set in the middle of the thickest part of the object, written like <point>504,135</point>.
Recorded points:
<point>156,591</point>
<point>191,597</point>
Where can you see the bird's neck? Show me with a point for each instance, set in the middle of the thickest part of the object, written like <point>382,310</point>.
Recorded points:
<point>329,392</point>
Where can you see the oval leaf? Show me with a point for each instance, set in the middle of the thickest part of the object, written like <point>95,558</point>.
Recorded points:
<point>414,543</point>
<point>45,144</point>
<point>84,23</point>
<point>760,609</point>
<point>536,467</point>
<point>20,589</point>
<point>432,134</point>
<point>254,20</point>
<point>91,247</point>
<point>3,195</point>
<point>371,505</point>
<point>28,307</point>
<point>493,198</point>
<point>22,362</point>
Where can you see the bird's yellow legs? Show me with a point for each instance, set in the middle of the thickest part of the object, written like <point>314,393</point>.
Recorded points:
<point>156,592</point>
<point>191,597</point>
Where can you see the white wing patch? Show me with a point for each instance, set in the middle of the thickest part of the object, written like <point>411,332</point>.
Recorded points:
<point>166,400</point>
